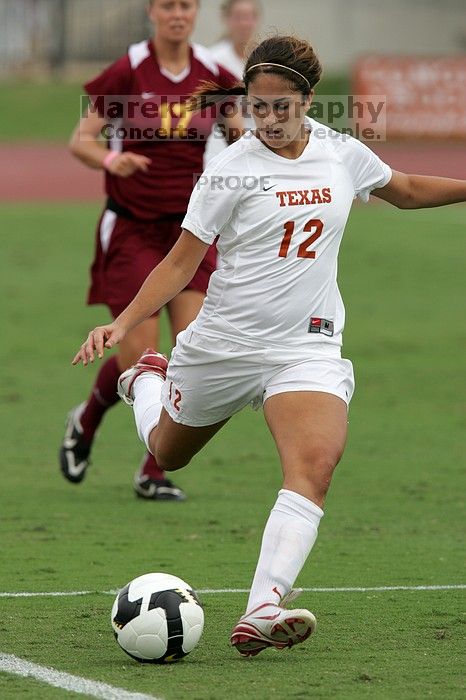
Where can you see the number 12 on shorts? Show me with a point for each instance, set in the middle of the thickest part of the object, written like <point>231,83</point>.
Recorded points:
<point>314,227</point>
<point>174,396</point>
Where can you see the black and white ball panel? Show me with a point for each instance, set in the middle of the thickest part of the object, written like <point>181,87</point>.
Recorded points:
<point>153,623</point>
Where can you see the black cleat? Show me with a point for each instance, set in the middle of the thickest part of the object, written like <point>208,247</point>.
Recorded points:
<point>74,452</point>
<point>157,490</point>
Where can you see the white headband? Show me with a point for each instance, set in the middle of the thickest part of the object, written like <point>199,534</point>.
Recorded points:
<point>278,65</point>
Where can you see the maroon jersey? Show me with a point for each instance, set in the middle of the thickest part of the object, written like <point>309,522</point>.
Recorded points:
<point>145,106</point>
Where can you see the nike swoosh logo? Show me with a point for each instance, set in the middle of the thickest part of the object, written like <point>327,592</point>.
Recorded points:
<point>147,95</point>
<point>266,189</point>
<point>268,617</point>
<point>75,469</point>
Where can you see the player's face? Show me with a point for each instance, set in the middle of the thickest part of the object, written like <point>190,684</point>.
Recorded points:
<point>278,110</point>
<point>174,19</point>
<point>242,22</point>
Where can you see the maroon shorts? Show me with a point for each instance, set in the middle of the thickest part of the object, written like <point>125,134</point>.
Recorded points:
<point>127,250</point>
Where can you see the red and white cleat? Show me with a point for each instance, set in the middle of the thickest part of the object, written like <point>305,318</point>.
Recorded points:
<point>272,625</point>
<point>150,361</point>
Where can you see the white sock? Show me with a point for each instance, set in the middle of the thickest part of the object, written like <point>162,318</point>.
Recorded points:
<point>147,405</point>
<point>288,538</point>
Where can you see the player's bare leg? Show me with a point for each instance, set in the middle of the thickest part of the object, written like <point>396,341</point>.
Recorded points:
<point>309,429</point>
<point>182,309</point>
<point>146,334</point>
<point>150,481</point>
<point>173,444</point>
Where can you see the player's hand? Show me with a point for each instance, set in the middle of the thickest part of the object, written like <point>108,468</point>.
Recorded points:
<point>100,338</point>
<point>126,164</point>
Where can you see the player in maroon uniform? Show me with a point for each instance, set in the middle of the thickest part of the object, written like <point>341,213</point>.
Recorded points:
<point>155,149</point>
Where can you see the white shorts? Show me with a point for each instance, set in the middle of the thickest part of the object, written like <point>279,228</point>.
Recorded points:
<point>210,379</point>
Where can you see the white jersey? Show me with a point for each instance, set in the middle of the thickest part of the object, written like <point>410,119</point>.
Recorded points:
<point>278,225</point>
<point>225,54</point>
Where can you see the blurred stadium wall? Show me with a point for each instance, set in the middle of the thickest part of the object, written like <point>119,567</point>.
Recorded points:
<point>38,37</point>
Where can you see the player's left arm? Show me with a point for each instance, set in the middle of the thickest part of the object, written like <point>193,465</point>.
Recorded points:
<point>420,191</point>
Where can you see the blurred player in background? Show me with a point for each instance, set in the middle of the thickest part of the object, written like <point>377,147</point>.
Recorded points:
<point>270,330</point>
<point>241,18</point>
<point>148,184</point>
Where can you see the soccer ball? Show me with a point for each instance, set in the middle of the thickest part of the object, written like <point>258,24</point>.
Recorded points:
<point>157,618</point>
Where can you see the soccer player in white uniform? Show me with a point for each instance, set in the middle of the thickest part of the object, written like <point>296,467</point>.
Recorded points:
<point>241,19</point>
<point>270,330</point>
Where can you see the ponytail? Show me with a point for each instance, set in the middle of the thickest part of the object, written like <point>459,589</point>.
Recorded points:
<point>210,93</point>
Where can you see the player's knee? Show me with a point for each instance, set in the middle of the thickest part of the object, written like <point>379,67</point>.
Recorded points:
<point>314,468</point>
<point>322,467</point>
<point>169,461</point>
<point>321,480</point>
<point>318,460</point>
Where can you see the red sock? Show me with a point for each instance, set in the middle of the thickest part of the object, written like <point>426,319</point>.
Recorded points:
<point>103,396</point>
<point>150,468</point>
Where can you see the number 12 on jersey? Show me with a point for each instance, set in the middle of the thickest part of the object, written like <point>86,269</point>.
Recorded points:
<point>314,226</point>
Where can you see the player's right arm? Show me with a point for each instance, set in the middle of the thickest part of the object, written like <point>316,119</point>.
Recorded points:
<point>86,146</point>
<point>164,282</point>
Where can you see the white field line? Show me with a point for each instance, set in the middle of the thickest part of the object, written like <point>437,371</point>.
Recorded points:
<point>59,679</point>
<point>213,591</point>
<point>377,589</point>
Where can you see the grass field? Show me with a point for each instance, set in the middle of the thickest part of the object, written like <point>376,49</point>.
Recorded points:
<point>394,516</point>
